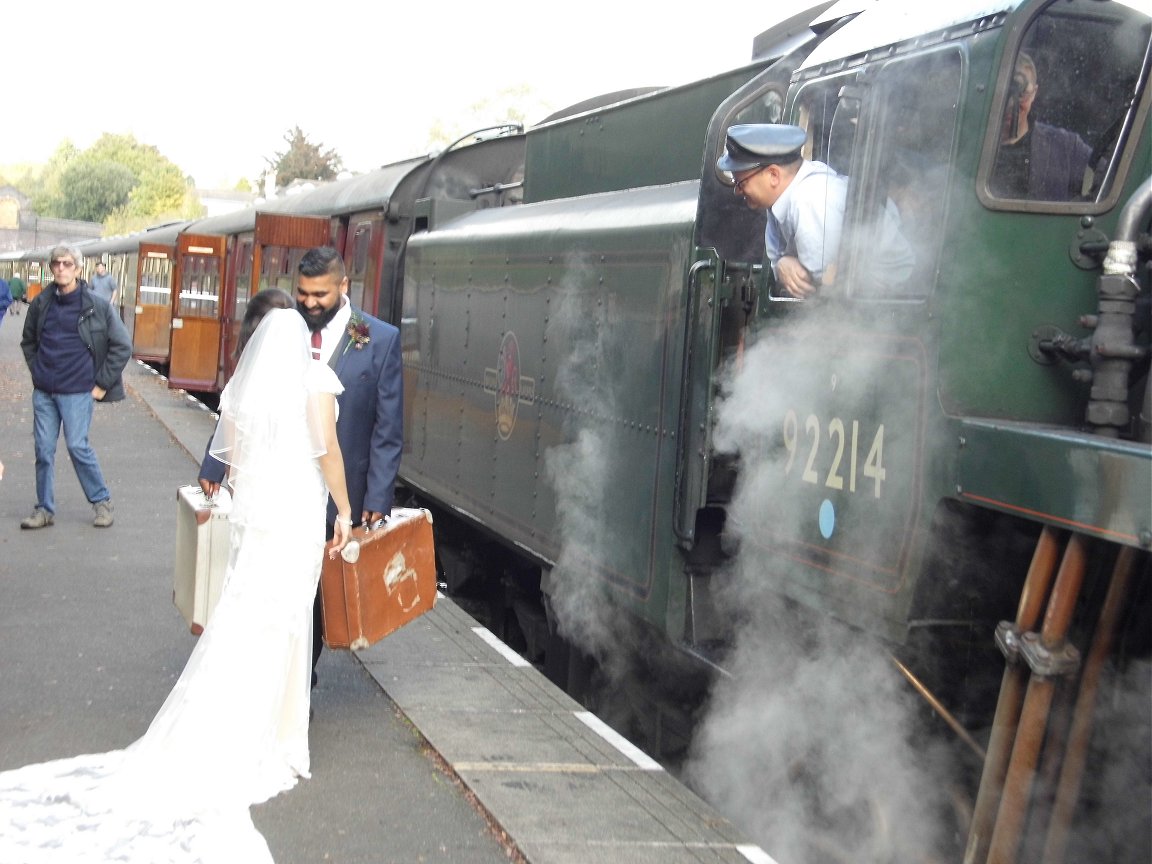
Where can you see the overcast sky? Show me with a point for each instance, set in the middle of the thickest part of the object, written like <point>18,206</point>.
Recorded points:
<point>215,84</point>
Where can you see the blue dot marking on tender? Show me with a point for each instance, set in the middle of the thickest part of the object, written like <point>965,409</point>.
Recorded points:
<point>827,518</point>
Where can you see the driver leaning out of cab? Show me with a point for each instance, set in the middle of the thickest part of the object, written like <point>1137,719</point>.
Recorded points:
<point>805,202</point>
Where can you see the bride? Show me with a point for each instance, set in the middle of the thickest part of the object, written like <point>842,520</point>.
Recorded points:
<point>234,730</point>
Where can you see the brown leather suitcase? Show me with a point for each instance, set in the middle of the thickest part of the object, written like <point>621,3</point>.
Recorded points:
<point>392,582</point>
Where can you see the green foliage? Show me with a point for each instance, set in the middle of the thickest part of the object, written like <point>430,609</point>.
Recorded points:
<point>45,193</point>
<point>118,181</point>
<point>304,160</point>
<point>93,188</point>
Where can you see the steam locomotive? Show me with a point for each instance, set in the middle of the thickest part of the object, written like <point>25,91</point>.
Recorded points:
<point>914,508</point>
<point>952,463</point>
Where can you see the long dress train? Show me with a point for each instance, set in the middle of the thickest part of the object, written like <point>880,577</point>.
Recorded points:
<point>234,730</point>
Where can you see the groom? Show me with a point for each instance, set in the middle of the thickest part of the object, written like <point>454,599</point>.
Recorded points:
<point>365,353</point>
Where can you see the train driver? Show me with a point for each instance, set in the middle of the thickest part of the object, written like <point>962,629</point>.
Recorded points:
<point>763,164</point>
<point>805,200</point>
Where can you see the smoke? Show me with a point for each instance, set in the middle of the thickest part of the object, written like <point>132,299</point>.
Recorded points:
<point>812,745</point>
<point>580,475</point>
<point>1112,820</point>
<point>581,472</point>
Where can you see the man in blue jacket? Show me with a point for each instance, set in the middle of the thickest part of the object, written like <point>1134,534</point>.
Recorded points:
<point>76,348</point>
<point>365,354</point>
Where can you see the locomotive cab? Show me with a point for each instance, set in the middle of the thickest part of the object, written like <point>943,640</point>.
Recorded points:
<point>957,289</point>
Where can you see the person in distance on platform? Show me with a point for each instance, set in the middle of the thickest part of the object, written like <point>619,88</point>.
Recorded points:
<point>804,199</point>
<point>365,353</point>
<point>17,287</point>
<point>5,298</point>
<point>76,348</point>
<point>104,284</point>
<point>233,732</point>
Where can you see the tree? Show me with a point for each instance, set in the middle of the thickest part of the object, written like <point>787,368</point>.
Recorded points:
<point>94,187</point>
<point>304,160</point>
<point>118,181</point>
<point>45,193</point>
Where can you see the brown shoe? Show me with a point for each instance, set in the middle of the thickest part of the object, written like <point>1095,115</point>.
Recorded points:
<point>103,513</point>
<point>40,518</point>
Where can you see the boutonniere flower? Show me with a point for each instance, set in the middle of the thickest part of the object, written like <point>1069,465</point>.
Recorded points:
<point>357,332</point>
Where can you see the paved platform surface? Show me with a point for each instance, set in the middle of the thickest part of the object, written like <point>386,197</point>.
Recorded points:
<point>437,744</point>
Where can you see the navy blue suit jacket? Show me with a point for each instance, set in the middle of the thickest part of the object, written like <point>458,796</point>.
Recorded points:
<point>369,426</point>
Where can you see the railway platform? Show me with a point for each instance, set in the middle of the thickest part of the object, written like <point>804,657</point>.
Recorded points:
<point>437,744</point>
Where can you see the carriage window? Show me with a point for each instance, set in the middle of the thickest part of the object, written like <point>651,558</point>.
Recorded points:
<point>361,242</point>
<point>200,288</point>
<point>286,281</point>
<point>155,280</point>
<point>1068,103</point>
<point>243,282</point>
<point>897,205</point>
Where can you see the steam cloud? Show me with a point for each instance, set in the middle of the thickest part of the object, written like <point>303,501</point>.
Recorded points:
<point>809,745</point>
<point>581,472</point>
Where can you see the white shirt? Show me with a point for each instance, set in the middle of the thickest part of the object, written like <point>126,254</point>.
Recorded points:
<point>334,329</point>
<point>806,220</point>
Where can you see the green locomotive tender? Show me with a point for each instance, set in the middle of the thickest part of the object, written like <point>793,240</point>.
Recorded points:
<point>952,457</point>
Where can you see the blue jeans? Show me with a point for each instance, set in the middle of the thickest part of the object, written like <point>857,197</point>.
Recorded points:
<point>74,412</point>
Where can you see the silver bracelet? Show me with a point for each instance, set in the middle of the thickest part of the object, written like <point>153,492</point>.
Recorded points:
<point>344,521</point>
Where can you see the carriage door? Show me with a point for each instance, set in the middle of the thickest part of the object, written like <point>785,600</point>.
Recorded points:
<point>362,255</point>
<point>196,312</point>
<point>281,242</point>
<point>238,288</point>
<point>152,313</point>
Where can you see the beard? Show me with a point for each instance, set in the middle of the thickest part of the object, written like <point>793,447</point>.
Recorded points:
<point>317,321</point>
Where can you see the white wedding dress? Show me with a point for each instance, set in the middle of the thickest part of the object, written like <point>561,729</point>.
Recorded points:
<point>234,730</point>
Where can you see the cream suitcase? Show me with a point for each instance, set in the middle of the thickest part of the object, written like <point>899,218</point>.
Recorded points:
<point>202,545</point>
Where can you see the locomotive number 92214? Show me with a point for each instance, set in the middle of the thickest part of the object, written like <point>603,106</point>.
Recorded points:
<point>840,437</point>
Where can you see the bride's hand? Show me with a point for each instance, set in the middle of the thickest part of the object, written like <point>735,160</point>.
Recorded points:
<point>341,534</point>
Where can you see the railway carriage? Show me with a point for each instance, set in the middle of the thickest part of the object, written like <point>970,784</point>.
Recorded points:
<point>222,261</point>
<point>142,265</point>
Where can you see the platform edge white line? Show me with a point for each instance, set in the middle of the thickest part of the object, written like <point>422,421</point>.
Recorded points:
<point>498,646</point>
<point>634,753</point>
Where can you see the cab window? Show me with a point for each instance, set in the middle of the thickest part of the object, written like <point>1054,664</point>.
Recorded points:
<point>898,195</point>
<point>1067,105</point>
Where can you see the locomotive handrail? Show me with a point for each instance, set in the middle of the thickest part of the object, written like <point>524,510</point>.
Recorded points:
<point>684,527</point>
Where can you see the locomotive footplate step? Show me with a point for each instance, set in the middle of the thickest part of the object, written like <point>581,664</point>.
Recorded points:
<point>563,785</point>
